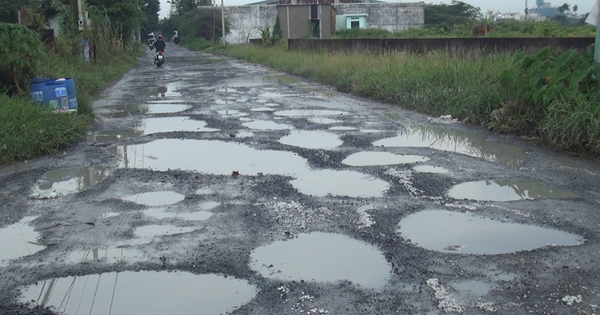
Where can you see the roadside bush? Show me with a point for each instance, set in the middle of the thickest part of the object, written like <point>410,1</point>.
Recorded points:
<point>554,96</point>
<point>21,51</point>
<point>196,43</point>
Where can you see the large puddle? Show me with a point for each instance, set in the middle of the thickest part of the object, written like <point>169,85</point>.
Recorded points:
<point>110,255</point>
<point>115,135</point>
<point>382,158</point>
<point>144,292</point>
<point>311,139</point>
<point>17,240</point>
<point>212,157</point>
<point>172,124</point>
<point>147,109</point>
<point>457,141</point>
<point>461,233</point>
<point>70,180</point>
<point>507,190</point>
<point>156,198</point>
<point>322,257</point>
<point>339,183</point>
<point>266,125</point>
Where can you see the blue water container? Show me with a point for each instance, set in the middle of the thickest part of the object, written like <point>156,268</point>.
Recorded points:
<point>37,88</point>
<point>71,91</point>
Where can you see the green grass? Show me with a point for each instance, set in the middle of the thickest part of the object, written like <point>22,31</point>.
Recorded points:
<point>466,85</point>
<point>29,130</point>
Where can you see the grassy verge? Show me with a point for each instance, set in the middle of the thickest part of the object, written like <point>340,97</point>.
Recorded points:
<point>488,89</point>
<point>30,130</point>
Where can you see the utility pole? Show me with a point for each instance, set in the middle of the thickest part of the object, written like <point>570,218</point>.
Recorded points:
<point>81,24</point>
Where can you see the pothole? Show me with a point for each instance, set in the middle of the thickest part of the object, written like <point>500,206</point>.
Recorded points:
<point>342,128</point>
<point>68,181</point>
<point>156,198</point>
<point>148,109</point>
<point>461,233</point>
<point>310,112</point>
<point>311,139</point>
<point>232,113</point>
<point>461,142</point>
<point>224,157</point>
<point>473,287</point>
<point>255,81</point>
<point>144,292</point>
<point>18,240</point>
<point>110,214</point>
<point>507,190</point>
<point>263,109</point>
<point>115,135</point>
<point>322,120</point>
<point>382,158</point>
<point>339,183</point>
<point>266,125</point>
<point>172,124</point>
<point>430,169</point>
<point>322,257</point>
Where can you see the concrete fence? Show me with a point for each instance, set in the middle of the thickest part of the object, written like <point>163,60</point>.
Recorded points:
<point>421,45</point>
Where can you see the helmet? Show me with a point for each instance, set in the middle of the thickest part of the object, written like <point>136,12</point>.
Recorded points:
<point>159,36</point>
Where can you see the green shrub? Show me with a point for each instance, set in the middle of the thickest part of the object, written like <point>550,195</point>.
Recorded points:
<point>21,51</point>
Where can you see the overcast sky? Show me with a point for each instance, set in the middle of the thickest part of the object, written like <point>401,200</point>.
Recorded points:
<point>585,6</point>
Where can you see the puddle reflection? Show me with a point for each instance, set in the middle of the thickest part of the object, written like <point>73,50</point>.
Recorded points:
<point>134,109</point>
<point>322,257</point>
<point>459,142</point>
<point>172,124</point>
<point>115,135</point>
<point>266,125</point>
<point>144,292</point>
<point>507,190</point>
<point>339,183</point>
<point>161,214</point>
<point>309,112</point>
<point>461,233</point>
<point>18,240</point>
<point>110,255</point>
<point>156,199</point>
<point>382,158</point>
<point>312,139</point>
<point>70,180</point>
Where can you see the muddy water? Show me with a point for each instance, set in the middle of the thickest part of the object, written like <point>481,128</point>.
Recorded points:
<point>310,112</point>
<point>224,157</point>
<point>458,142</point>
<point>322,257</point>
<point>157,198</point>
<point>71,180</point>
<point>114,135</point>
<point>110,255</point>
<point>161,214</point>
<point>461,233</point>
<point>266,125</point>
<point>144,292</point>
<point>172,124</point>
<point>311,139</point>
<point>507,190</point>
<point>474,287</point>
<point>135,109</point>
<point>339,183</point>
<point>16,240</point>
<point>382,158</point>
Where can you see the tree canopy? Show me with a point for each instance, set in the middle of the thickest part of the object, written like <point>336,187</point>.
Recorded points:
<point>457,12</point>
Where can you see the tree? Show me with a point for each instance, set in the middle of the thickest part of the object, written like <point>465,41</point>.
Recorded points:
<point>563,9</point>
<point>575,8</point>
<point>9,9</point>
<point>455,13</point>
<point>150,23</point>
<point>202,23</point>
<point>185,6</point>
<point>277,29</point>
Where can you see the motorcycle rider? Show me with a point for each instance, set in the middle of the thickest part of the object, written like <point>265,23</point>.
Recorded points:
<point>160,44</point>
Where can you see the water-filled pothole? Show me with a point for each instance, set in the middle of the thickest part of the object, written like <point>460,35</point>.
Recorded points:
<point>172,124</point>
<point>18,240</point>
<point>382,158</point>
<point>70,180</point>
<point>339,183</point>
<point>110,255</point>
<point>507,190</point>
<point>212,157</point>
<point>162,213</point>
<point>263,109</point>
<point>144,292</point>
<point>232,113</point>
<point>310,112</point>
<point>322,257</point>
<point>461,142</point>
<point>311,139</point>
<point>342,128</point>
<point>474,287</point>
<point>430,169</point>
<point>253,81</point>
<point>147,109</point>
<point>462,233</point>
<point>156,198</point>
<point>322,120</point>
<point>266,125</point>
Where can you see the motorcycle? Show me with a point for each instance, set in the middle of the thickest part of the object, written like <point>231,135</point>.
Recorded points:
<point>159,59</point>
<point>151,45</point>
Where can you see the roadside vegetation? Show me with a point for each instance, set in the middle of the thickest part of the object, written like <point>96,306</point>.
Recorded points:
<point>29,129</point>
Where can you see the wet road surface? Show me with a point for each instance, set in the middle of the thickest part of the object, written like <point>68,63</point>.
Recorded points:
<point>211,186</point>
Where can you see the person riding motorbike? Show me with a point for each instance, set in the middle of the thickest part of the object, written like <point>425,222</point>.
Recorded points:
<point>160,44</point>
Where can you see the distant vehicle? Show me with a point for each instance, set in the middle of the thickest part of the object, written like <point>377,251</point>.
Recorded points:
<point>151,41</point>
<point>176,37</point>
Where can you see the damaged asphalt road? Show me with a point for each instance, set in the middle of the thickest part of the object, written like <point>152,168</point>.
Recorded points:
<point>211,186</point>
